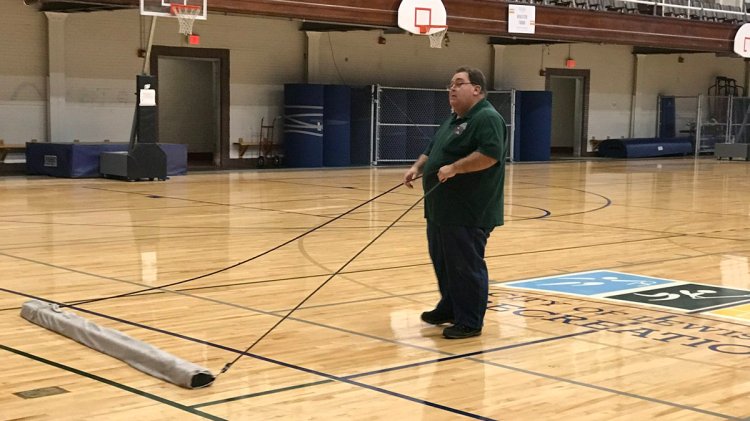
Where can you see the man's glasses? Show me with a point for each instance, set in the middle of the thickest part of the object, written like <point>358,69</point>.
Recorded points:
<point>457,85</point>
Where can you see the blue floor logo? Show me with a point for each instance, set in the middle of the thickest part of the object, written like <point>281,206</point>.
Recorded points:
<point>646,290</point>
<point>694,297</point>
<point>590,283</point>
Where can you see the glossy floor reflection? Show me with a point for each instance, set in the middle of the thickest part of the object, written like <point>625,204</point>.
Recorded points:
<point>240,250</point>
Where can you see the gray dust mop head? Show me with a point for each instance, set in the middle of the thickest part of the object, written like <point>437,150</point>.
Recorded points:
<point>140,355</point>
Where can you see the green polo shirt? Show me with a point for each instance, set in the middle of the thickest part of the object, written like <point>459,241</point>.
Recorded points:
<point>472,199</point>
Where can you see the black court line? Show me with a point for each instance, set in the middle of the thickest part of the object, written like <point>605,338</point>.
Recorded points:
<point>249,206</point>
<point>500,283</point>
<point>348,379</point>
<point>585,211</point>
<point>111,383</point>
<point>404,266</point>
<point>264,393</point>
<point>269,360</point>
<point>4,219</point>
<point>259,311</point>
<point>268,251</point>
<point>273,313</point>
<point>618,392</point>
<point>304,300</point>
<point>165,227</point>
<point>342,276</point>
<point>608,202</point>
<point>666,234</point>
<point>381,390</point>
<point>472,354</point>
<point>469,356</point>
<point>229,205</point>
<point>551,377</point>
<point>691,211</point>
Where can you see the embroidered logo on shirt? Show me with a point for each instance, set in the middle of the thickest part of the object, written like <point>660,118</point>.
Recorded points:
<point>459,129</point>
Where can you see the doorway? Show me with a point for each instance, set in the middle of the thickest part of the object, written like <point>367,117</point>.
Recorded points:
<point>194,102</point>
<point>570,91</point>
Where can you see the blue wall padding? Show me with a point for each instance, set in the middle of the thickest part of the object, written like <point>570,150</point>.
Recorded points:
<point>645,147</point>
<point>81,160</point>
<point>303,125</point>
<point>667,117</point>
<point>533,136</point>
<point>337,123</point>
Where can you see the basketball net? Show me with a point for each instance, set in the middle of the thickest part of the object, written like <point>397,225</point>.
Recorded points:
<point>186,15</point>
<point>436,39</point>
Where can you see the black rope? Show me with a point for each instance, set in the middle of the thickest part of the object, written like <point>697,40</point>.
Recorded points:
<point>310,231</point>
<point>289,313</point>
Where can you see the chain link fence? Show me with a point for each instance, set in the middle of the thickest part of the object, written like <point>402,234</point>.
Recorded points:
<point>407,118</point>
<point>707,120</point>
<point>739,132</point>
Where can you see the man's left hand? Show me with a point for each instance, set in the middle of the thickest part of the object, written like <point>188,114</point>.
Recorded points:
<point>446,172</point>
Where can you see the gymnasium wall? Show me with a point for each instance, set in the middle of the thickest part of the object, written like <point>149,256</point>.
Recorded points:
<point>611,79</point>
<point>356,58</point>
<point>101,64</point>
<point>667,76</point>
<point>23,70</point>
<point>612,67</point>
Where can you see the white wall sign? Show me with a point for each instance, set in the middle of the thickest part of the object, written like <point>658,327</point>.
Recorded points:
<point>521,19</point>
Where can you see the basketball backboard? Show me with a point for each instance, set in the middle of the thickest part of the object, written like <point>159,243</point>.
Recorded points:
<point>163,7</point>
<point>423,17</point>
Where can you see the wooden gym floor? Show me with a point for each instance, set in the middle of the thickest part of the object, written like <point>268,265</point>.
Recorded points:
<point>668,239</point>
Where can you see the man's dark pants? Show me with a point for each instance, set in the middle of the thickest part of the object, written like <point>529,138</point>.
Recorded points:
<point>457,255</point>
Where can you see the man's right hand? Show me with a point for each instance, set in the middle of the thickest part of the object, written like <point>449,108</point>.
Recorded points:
<point>415,171</point>
<point>409,176</point>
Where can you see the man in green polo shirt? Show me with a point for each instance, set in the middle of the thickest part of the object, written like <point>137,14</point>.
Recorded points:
<point>467,158</point>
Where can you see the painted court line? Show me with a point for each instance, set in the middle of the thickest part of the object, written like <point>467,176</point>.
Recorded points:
<point>348,379</point>
<point>111,383</point>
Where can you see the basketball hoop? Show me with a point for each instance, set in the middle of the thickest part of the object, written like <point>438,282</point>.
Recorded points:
<point>186,15</point>
<point>436,38</point>
<point>424,17</point>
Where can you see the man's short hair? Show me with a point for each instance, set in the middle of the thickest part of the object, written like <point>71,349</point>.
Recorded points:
<point>476,77</point>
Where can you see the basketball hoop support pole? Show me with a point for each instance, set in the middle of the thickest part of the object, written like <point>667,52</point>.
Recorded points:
<point>147,58</point>
<point>146,71</point>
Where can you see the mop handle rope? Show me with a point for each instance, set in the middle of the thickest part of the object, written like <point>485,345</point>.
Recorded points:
<point>286,316</point>
<point>205,275</point>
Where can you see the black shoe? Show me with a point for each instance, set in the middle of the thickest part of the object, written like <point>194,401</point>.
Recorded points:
<point>435,318</point>
<point>460,332</point>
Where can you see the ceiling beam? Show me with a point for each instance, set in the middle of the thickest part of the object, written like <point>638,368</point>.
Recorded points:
<point>490,18</point>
